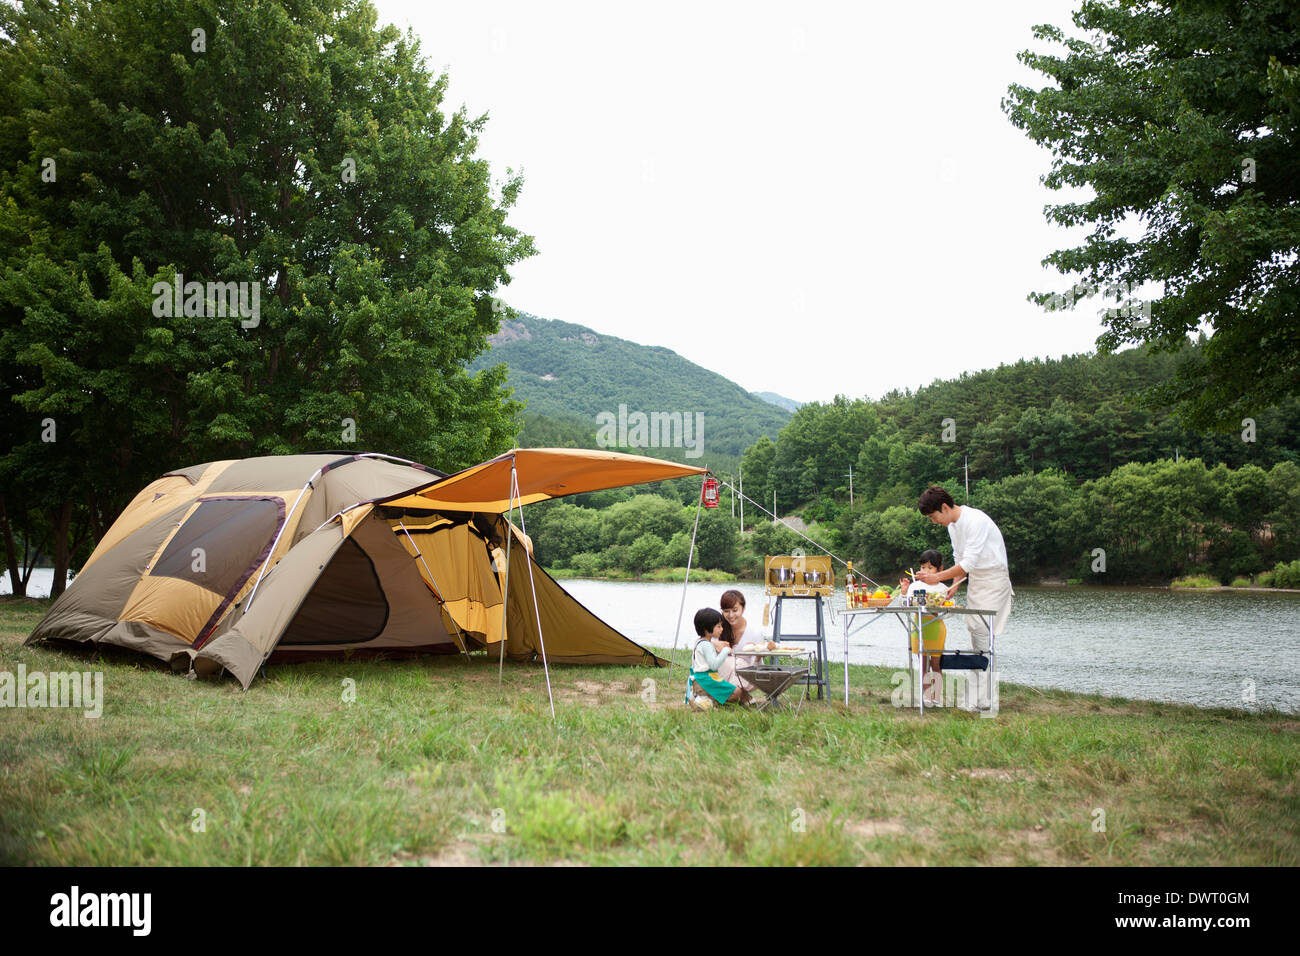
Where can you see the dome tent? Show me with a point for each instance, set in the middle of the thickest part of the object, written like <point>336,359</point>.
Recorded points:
<point>225,565</point>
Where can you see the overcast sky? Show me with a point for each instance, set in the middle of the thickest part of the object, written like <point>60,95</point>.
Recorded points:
<point>810,199</point>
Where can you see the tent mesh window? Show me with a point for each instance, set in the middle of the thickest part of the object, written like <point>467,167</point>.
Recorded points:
<point>346,605</point>
<point>221,543</point>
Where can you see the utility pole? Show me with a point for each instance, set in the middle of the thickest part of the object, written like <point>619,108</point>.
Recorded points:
<point>850,487</point>
<point>773,504</point>
<point>968,477</point>
<point>742,502</point>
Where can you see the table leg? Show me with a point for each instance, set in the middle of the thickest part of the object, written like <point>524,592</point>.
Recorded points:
<point>911,677</point>
<point>920,663</point>
<point>988,671</point>
<point>846,659</point>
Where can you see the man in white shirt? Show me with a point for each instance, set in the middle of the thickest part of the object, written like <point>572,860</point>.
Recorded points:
<point>978,554</point>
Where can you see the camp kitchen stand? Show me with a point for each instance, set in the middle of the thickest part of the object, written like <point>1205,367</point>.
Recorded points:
<point>968,660</point>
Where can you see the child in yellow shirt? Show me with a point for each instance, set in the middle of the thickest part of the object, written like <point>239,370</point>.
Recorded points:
<point>933,632</point>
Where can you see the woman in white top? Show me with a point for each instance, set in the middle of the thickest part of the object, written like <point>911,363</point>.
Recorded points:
<point>733,612</point>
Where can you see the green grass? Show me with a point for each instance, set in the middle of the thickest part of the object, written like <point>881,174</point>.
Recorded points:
<point>434,763</point>
<point>1195,581</point>
<point>1240,582</point>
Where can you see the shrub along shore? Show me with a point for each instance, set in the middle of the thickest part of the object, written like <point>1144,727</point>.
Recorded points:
<point>431,762</point>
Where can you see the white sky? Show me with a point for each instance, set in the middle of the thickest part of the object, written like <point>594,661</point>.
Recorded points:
<point>814,199</point>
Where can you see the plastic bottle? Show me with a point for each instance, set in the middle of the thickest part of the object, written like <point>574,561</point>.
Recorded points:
<point>850,587</point>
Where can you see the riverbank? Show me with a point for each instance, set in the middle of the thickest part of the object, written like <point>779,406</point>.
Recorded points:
<point>433,763</point>
<point>709,576</point>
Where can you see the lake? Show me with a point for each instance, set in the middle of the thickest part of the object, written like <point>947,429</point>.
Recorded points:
<point>1188,647</point>
<point>1149,643</point>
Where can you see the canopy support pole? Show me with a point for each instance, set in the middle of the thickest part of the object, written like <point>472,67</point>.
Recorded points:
<point>505,588</point>
<point>537,610</point>
<point>690,555</point>
<point>437,591</point>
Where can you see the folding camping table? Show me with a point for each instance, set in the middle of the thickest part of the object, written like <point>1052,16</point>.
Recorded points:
<point>773,680</point>
<point>910,617</point>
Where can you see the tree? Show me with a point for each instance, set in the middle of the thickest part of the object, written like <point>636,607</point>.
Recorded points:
<point>560,530</point>
<point>1038,515</point>
<point>1180,119</point>
<point>626,521</point>
<point>756,466</point>
<point>292,152</point>
<point>715,541</point>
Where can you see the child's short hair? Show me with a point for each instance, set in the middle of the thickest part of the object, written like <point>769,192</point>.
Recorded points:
<point>932,557</point>
<point>730,599</point>
<point>706,619</point>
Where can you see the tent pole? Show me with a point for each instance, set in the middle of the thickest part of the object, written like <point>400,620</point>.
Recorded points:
<point>672,658</point>
<point>437,591</point>
<point>271,554</point>
<point>505,588</point>
<point>514,483</point>
<point>319,471</point>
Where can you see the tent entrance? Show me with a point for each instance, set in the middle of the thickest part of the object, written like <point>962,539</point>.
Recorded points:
<point>369,596</point>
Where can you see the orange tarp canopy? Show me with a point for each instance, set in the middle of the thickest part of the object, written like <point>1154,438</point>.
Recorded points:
<point>542,473</point>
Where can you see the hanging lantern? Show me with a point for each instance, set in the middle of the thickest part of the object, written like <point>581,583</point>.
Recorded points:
<point>710,496</point>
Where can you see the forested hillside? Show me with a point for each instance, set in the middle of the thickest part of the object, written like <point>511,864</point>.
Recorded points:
<point>1078,414</point>
<point>568,375</point>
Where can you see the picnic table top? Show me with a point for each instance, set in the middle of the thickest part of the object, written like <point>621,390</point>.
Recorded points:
<point>912,609</point>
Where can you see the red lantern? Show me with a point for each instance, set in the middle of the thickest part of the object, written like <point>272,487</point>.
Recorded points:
<point>710,496</point>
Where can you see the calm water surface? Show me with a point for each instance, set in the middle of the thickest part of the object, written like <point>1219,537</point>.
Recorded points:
<point>1148,643</point>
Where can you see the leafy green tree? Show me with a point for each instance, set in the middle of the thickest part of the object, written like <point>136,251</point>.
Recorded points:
<point>624,522</point>
<point>715,541</point>
<point>1179,120</point>
<point>885,543</point>
<point>294,147</point>
<point>1149,519</point>
<point>646,552</point>
<point>1282,525</point>
<point>770,537</point>
<point>756,465</point>
<point>1040,520</point>
<point>560,530</point>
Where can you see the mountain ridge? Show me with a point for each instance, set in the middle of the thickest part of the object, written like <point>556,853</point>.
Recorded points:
<point>573,374</point>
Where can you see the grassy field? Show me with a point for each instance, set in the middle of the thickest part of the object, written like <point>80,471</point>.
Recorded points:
<point>433,763</point>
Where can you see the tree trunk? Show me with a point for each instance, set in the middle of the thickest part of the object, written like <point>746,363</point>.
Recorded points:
<point>62,552</point>
<point>11,553</point>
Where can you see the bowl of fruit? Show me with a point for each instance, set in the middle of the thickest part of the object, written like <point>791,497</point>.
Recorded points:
<point>881,597</point>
